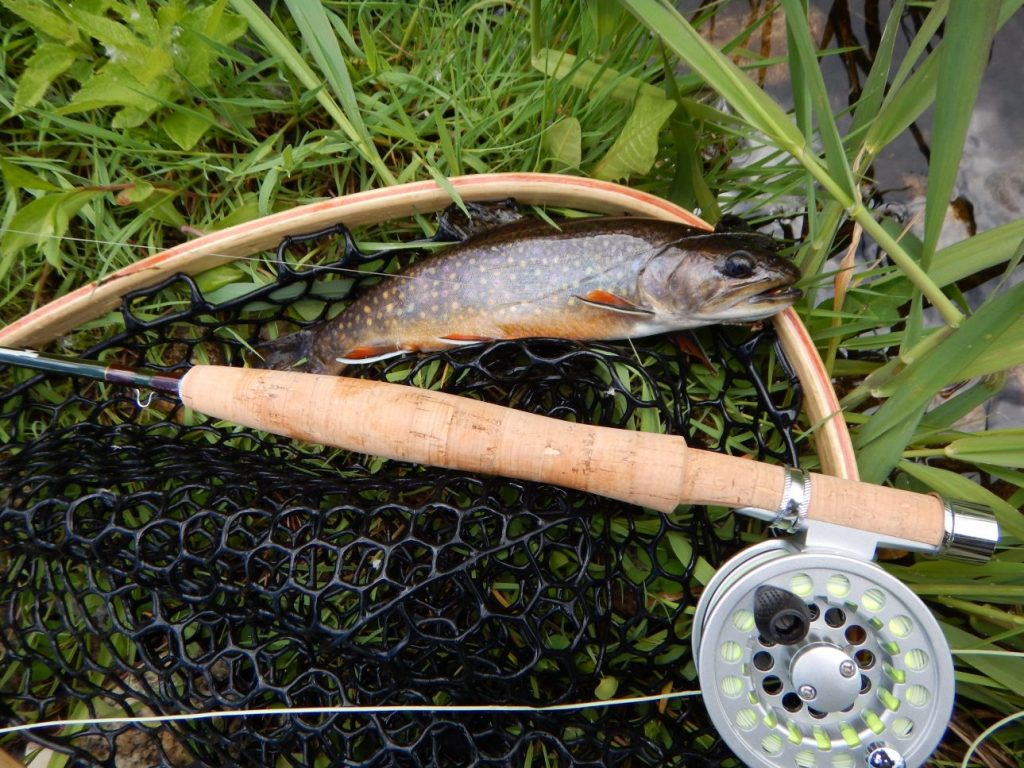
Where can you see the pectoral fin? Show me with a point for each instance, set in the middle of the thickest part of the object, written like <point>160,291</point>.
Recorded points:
<point>606,300</point>
<point>690,345</point>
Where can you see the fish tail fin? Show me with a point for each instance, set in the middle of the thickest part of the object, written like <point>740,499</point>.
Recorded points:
<point>288,353</point>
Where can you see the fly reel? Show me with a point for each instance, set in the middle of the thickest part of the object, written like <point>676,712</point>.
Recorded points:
<point>813,658</point>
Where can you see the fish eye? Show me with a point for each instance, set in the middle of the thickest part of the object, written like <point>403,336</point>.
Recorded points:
<point>737,264</point>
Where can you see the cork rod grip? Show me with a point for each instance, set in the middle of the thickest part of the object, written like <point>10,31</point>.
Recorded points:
<point>654,471</point>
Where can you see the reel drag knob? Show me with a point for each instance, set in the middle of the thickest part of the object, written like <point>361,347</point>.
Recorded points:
<point>781,616</point>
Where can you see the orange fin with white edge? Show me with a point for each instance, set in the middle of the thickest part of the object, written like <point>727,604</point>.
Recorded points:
<point>690,345</point>
<point>607,300</point>
<point>365,354</point>
<point>459,339</point>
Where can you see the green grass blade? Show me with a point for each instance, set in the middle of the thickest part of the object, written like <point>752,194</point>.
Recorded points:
<point>944,416</point>
<point>955,486</point>
<point>975,254</point>
<point>317,32</point>
<point>880,442</point>
<point>755,106</point>
<point>281,47</point>
<point>908,102</point>
<point>1001,352</point>
<point>592,77</point>
<point>802,59</point>
<point>803,112</point>
<point>965,46</point>
<point>873,92</point>
<point>1003,447</point>
<point>920,45</point>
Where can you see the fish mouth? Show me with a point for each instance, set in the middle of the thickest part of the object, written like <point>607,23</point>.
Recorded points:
<point>782,294</point>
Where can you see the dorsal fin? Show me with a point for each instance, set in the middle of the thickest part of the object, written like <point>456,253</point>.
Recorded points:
<point>454,224</point>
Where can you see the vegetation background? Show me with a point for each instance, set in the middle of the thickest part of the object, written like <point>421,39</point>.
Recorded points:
<point>128,126</point>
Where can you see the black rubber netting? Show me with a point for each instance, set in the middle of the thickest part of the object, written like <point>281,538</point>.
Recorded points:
<point>153,561</point>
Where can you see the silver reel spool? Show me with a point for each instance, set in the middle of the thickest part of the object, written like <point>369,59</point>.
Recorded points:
<point>870,684</point>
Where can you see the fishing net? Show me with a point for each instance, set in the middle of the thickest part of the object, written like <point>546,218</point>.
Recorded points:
<point>153,561</point>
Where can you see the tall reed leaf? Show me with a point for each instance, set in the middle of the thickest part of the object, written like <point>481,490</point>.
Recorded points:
<point>873,92</point>
<point>753,104</point>
<point>907,102</point>
<point>802,57</point>
<point>969,31</point>
<point>881,440</point>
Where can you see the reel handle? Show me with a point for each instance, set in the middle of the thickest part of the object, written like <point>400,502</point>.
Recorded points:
<point>651,470</point>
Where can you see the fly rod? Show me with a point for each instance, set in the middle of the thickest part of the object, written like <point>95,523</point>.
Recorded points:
<point>655,471</point>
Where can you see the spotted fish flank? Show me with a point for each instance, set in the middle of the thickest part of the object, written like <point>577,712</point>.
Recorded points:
<point>589,279</point>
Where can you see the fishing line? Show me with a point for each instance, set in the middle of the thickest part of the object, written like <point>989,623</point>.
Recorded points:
<point>345,710</point>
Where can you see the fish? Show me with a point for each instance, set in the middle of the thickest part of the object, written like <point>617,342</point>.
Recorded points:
<point>587,279</point>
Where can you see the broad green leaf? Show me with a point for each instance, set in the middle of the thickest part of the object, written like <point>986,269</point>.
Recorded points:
<point>592,77</point>
<point>683,550</point>
<point>49,61</point>
<point>606,688</point>
<point>973,255</point>
<point>880,442</point>
<point>218,277</point>
<point>112,86</point>
<point>1003,447</point>
<point>185,128</point>
<point>969,30</point>
<point>636,148</point>
<point>42,19</point>
<point>953,485</point>
<point>42,223</point>
<point>138,192</point>
<point>198,27</point>
<point>117,37</point>
<point>563,143</point>
<point>944,416</point>
<point>16,177</point>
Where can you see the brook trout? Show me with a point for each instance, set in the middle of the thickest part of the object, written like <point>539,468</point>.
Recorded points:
<point>590,279</point>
